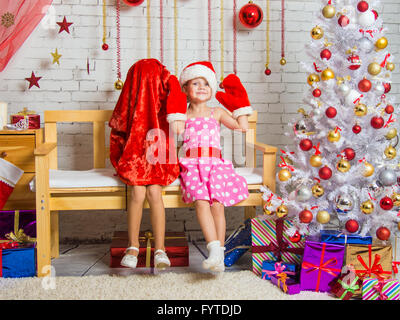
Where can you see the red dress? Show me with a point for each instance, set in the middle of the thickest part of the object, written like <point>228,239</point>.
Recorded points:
<point>141,148</point>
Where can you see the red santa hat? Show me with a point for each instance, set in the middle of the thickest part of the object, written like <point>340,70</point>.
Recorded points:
<point>9,176</point>
<point>203,69</point>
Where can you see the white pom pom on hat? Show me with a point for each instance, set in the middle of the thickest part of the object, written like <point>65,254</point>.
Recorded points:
<point>199,69</point>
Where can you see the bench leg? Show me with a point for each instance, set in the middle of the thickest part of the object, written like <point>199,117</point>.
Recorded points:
<point>249,212</point>
<point>55,239</point>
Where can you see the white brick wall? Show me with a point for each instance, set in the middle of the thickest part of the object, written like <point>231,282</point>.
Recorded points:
<point>68,86</point>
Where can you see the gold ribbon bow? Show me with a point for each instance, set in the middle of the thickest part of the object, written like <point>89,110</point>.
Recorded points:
<point>18,234</point>
<point>282,278</point>
<point>25,112</point>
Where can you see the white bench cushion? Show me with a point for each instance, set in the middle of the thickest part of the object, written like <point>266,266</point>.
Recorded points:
<point>105,178</point>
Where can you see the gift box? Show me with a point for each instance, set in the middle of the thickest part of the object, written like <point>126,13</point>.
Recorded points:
<point>333,236</point>
<point>271,241</point>
<point>18,225</point>
<point>287,284</point>
<point>380,289</point>
<point>16,261</point>
<point>270,268</point>
<point>26,119</point>
<point>176,247</point>
<point>347,284</point>
<point>322,264</point>
<point>238,243</point>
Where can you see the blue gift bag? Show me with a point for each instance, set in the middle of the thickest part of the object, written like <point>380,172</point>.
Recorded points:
<point>238,243</point>
<point>18,262</point>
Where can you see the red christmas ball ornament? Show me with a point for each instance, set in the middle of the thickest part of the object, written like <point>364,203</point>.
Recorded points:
<point>352,225</point>
<point>250,15</point>
<point>316,93</point>
<point>387,87</point>
<point>325,173</point>
<point>362,6</point>
<point>305,216</point>
<point>133,3</point>
<point>389,109</point>
<point>104,46</point>
<point>383,233</point>
<point>386,203</point>
<point>331,112</point>
<point>267,71</point>
<point>353,61</point>
<point>343,21</point>
<point>296,237</point>
<point>306,144</point>
<point>325,54</point>
<point>377,122</point>
<point>356,129</point>
<point>364,85</point>
<point>375,13</point>
<point>349,153</point>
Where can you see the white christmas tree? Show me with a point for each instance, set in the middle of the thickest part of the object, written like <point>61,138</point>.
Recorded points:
<point>344,164</point>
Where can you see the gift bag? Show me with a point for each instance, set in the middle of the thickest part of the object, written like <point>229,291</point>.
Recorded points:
<point>238,243</point>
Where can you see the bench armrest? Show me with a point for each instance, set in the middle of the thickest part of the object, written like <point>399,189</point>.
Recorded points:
<point>265,148</point>
<point>45,148</point>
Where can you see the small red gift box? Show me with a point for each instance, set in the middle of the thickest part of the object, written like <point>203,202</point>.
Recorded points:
<point>26,119</point>
<point>176,247</point>
<point>348,283</point>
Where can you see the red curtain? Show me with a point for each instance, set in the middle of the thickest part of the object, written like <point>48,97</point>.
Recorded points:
<point>18,18</point>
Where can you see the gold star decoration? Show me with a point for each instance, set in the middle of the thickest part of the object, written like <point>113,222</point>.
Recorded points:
<point>56,57</point>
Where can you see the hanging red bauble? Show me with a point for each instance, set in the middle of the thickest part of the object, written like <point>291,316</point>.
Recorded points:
<point>386,203</point>
<point>316,93</point>
<point>104,46</point>
<point>296,237</point>
<point>377,122</point>
<point>387,87</point>
<point>250,15</point>
<point>364,85</point>
<point>305,216</point>
<point>356,129</point>
<point>352,225</point>
<point>325,173</point>
<point>306,144</point>
<point>362,6</point>
<point>133,3</point>
<point>375,13</point>
<point>331,112</point>
<point>353,61</point>
<point>383,233</point>
<point>349,153</point>
<point>325,54</point>
<point>267,71</point>
<point>389,109</point>
<point>343,20</point>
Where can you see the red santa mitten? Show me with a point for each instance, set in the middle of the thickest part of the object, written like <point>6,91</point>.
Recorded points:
<point>9,176</point>
<point>176,101</point>
<point>235,97</point>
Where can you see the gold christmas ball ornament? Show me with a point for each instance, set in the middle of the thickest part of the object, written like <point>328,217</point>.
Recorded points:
<point>119,84</point>
<point>360,110</point>
<point>284,175</point>
<point>327,74</point>
<point>317,190</point>
<point>317,33</point>
<point>282,211</point>
<point>343,165</point>
<point>312,78</point>
<point>368,169</point>
<point>367,207</point>
<point>392,133</point>
<point>374,68</point>
<point>381,43</point>
<point>390,66</point>
<point>328,11</point>
<point>390,152</point>
<point>282,61</point>
<point>323,216</point>
<point>333,136</point>
<point>396,199</point>
<point>316,160</point>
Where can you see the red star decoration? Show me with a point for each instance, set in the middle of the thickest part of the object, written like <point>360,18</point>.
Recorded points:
<point>33,80</point>
<point>64,25</point>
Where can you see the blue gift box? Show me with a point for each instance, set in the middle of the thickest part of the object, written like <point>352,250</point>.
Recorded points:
<point>273,268</point>
<point>334,236</point>
<point>18,262</point>
<point>238,243</point>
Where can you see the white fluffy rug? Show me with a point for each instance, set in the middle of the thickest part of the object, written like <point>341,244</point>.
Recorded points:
<point>243,285</point>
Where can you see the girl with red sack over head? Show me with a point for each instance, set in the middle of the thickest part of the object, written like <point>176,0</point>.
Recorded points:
<point>206,178</point>
<point>142,150</point>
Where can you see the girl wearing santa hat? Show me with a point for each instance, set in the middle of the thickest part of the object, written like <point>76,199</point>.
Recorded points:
<point>206,178</point>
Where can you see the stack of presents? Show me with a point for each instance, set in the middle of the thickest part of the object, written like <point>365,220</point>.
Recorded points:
<point>347,266</point>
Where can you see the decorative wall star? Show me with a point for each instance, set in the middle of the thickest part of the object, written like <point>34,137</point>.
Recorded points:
<point>33,80</point>
<point>64,25</point>
<point>56,57</point>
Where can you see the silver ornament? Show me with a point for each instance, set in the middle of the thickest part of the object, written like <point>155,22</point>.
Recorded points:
<point>301,126</point>
<point>303,194</point>
<point>376,188</point>
<point>366,18</point>
<point>387,177</point>
<point>366,45</point>
<point>379,89</point>
<point>344,89</point>
<point>344,204</point>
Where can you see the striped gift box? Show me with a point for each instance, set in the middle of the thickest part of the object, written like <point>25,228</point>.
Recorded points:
<point>374,289</point>
<point>270,241</point>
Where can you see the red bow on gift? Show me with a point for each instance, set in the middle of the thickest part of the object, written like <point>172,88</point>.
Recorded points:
<point>376,267</point>
<point>379,288</point>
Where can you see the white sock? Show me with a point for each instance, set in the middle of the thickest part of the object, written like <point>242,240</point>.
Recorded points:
<point>215,256</point>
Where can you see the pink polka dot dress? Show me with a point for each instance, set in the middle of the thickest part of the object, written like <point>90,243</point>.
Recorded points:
<point>208,178</point>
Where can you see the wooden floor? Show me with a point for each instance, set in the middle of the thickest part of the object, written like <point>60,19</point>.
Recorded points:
<point>94,259</point>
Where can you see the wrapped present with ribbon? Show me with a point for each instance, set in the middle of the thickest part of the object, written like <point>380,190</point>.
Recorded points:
<point>380,289</point>
<point>238,243</point>
<point>287,284</point>
<point>270,268</point>
<point>176,247</point>
<point>347,284</point>
<point>17,261</point>
<point>271,240</point>
<point>26,119</point>
<point>18,225</point>
<point>334,236</point>
<point>322,264</point>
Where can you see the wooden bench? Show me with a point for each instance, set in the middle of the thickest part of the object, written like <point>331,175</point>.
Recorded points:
<point>99,189</point>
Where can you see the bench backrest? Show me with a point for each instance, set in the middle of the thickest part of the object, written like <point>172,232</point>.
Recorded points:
<point>99,118</point>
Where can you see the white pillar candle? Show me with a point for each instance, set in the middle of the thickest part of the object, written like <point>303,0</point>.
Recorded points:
<point>3,115</point>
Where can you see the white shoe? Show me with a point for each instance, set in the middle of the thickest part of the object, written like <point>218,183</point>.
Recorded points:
<point>215,257</point>
<point>161,260</point>
<point>129,260</point>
